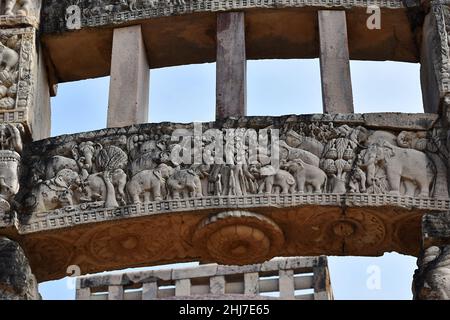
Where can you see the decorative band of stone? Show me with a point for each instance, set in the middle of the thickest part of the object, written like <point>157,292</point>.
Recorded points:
<point>166,9</point>
<point>8,155</point>
<point>94,212</point>
<point>13,21</point>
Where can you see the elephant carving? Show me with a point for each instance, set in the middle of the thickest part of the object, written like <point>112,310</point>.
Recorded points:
<point>108,186</point>
<point>185,182</point>
<point>276,178</point>
<point>149,185</point>
<point>57,163</point>
<point>56,192</point>
<point>408,166</point>
<point>307,175</point>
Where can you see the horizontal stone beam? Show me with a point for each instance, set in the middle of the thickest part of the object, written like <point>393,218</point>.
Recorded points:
<point>187,38</point>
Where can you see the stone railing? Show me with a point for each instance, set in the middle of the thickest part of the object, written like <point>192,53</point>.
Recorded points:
<point>292,278</point>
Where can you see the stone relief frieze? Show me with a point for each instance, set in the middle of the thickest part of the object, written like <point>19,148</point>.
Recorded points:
<point>61,15</point>
<point>155,163</point>
<point>16,73</point>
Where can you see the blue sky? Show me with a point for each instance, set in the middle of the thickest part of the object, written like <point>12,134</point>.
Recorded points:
<point>275,87</point>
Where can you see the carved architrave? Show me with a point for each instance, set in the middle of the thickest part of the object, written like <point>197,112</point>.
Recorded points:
<point>122,197</point>
<point>61,15</point>
<point>17,75</point>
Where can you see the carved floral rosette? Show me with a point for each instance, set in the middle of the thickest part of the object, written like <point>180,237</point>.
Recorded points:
<point>17,76</point>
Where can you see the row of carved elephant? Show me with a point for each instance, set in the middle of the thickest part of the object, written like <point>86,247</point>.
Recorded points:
<point>350,161</point>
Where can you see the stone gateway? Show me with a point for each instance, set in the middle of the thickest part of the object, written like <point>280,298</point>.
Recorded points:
<point>237,191</point>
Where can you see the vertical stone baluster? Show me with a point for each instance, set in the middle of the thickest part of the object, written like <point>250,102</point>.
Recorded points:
<point>130,76</point>
<point>334,63</point>
<point>286,284</point>
<point>231,66</point>
<point>150,290</point>
<point>115,292</point>
<point>183,287</point>
<point>251,283</point>
<point>217,285</point>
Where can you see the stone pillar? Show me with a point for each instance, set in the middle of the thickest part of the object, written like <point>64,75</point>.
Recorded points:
<point>334,63</point>
<point>231,82</point>
<point>432,278</point>
<point>16,279</point>
<point>130,76</point>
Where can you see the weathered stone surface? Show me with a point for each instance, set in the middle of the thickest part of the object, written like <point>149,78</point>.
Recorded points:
<point>231,66</point>
<point>20,12</point>
<point>337,93</point>
<point>203,270</point>
<point>130,76</point>
<point>432,278</point>
<point>24,94</point>
<point>217,285</point>
<point>234,282</point>
<point>16,279</point>
<point>436,229</point>
<point>287,289</point>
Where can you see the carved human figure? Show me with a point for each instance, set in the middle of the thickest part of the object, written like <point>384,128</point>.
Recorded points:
<point>432,278</point>
<point>149,185</point>
<point>185,182</point>
<point>275,178</point>
<point>10,149</point>
<point>401,165</point>
<point>307,175</point>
